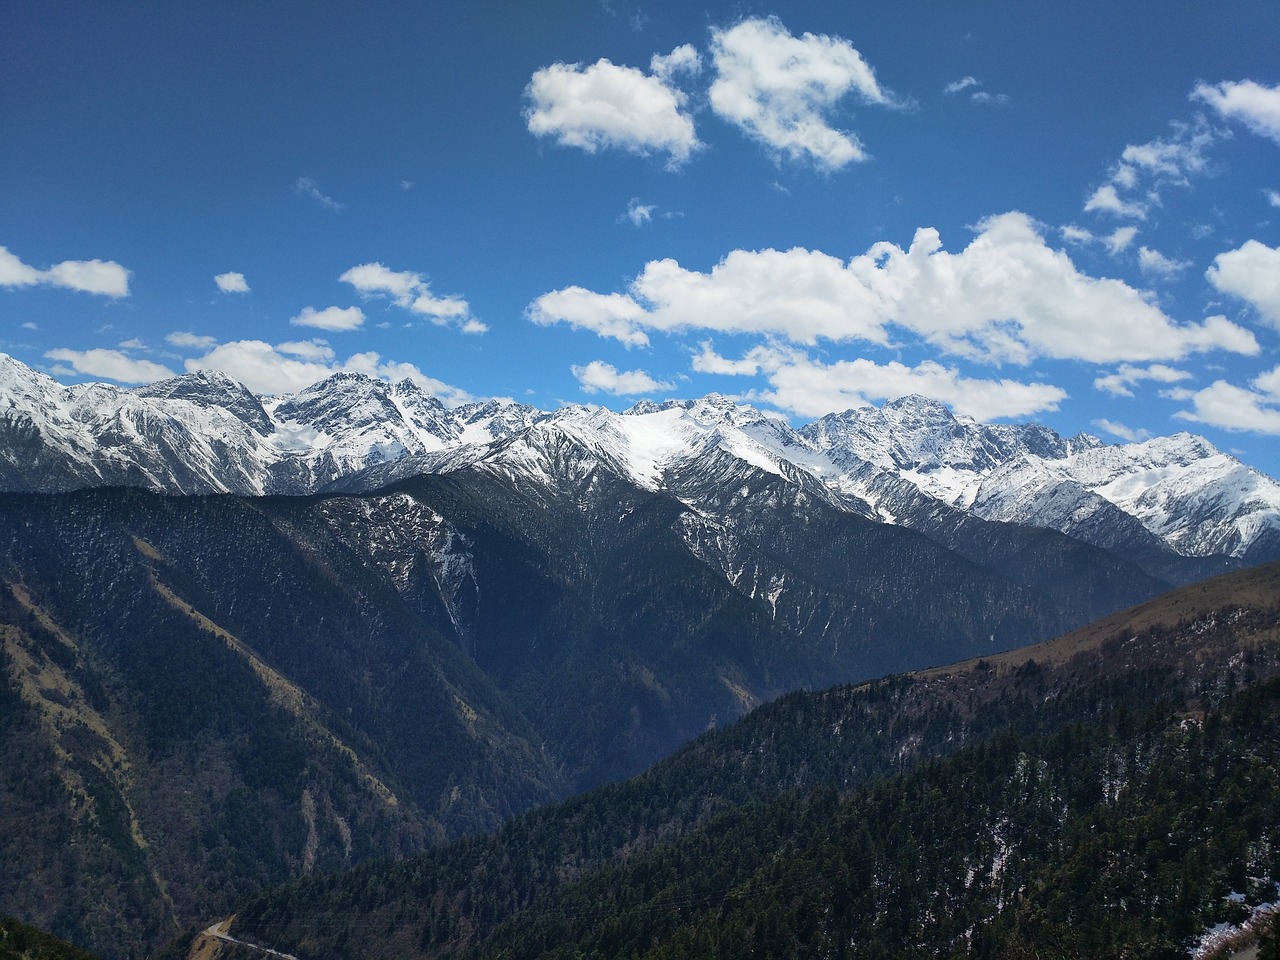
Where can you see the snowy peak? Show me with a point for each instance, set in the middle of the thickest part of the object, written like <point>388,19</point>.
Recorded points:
<point>903,462</point>
<point>213,390</point>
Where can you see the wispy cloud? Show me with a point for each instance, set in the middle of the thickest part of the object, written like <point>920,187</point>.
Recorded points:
<point>412,292</point>
<point>309,188</point>
<point>1128,434</point>
<point>1135,182</point>
<point>958,86</point>
<point>1153,263</point>
<point>638,213</point>
<point>185,340</point>
<point>1122,382</point>
<point>808,387</point>
<point>337,319</point>
<point>289,367</point>
<point>111,364</point>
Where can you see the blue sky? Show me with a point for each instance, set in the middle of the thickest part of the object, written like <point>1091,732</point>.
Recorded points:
<point>1065,214</point>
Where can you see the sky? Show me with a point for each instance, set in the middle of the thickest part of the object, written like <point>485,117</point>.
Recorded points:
<point>1067,213</point>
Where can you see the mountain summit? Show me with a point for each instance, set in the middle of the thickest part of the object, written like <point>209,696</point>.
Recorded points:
<point>910,462</point>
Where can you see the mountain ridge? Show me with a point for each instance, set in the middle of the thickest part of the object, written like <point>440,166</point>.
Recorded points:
<point>1158,502</point>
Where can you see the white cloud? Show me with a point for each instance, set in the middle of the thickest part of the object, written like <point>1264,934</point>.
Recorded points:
<point>964,83</point>
<point>1230,407</point>
<point>412,292</point>
<point>1252,273</point>
<point>1128,434</point>
<point>133,343</point>
<point>315,349</point>
<point>193,341</point>
<point>600,377</point>
<point>609,315</point>
<point>1075,234</point>
<point>330,318</point>
<point>683,59</point>
<point>1007,297</point>
<point>1153,165</point>
<point>1107,200</point>
<point>103,277</point>
<point>780,89</point>
<point>809,388</point>
<point>1251,103</point>
<point>309,188</point>
<point>1154,263</point>
<point>111,364</point>
<point>231,283</point>
<point>1118,384</point>
<point>605,105</point>
<point>1120,239</point>
<point>1173,160</point>
<point>374,279</point>
<point>1269,383</point>
<point>30,326</point>
<point>996,99</point>
<point>1273,197</point>
<point>291,366</point>
<point>638,213</point>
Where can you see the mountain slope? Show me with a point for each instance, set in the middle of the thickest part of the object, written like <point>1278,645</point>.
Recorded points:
<point>205,695</point>
<point>794,831</point>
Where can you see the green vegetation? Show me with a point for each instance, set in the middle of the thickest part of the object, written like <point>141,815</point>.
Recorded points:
<point>1106,802</point>
<point>21,942</point>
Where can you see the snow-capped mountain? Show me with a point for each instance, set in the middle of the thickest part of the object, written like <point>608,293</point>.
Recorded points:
<point>911,462</point>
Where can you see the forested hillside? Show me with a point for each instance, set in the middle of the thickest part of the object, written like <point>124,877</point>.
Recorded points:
<point>964,811</point>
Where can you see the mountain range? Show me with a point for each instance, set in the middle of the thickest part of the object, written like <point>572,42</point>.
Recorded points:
<point>910,462</point>
<point>246,640</point>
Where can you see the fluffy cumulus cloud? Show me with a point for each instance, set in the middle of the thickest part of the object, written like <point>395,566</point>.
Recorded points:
<point>1007,297</point>
<point>103,277</point>
<point>1122,382</point>
<point>289,367</point>
<point>1231,407</point>
<point>231,283</point>
<point>110,364</point>
<point>605,105</point>
<point>612,315</point>
<point>600,377</point>
<point>781,89</point>
<point>412,292</point>
<point>1250,103</point>
<point>330,318</point>
<point>809,388</point>
<point>1252,273</point>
